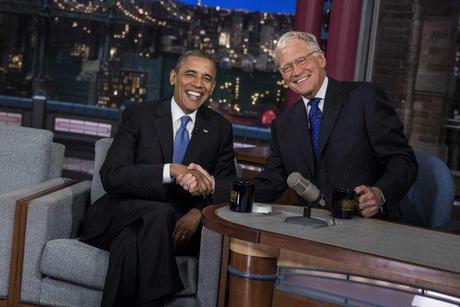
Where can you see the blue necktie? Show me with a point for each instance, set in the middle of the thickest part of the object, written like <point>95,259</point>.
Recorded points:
<point>181,141</point>
<point>316,117</point>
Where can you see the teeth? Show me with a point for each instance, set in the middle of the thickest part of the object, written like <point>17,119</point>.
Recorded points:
<point>301,80</point>
<point>193,93</point>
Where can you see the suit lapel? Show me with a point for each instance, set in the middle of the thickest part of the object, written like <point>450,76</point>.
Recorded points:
<point>164,129</point>
<point>302,134</point>
<point>332,105</point>
<point>200,133</point>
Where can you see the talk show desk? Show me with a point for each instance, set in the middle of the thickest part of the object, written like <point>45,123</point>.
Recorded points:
<point>268,262</point>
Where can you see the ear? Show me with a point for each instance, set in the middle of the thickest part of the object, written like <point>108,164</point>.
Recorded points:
<point>213,86</point>
<point>322,60</point>
<point>172,77</point>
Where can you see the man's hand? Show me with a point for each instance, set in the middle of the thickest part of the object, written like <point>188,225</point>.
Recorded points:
<point>369,201</point>
<point>193,178</point>
<point>186,227</point>
<point>197,181</point>
<point>176,170</point>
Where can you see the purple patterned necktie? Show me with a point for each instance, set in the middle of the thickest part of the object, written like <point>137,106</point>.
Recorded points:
<point>316,117</point>
<point>181,141</point>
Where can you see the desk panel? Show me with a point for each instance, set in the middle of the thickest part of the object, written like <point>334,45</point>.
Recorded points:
<point>378,249</point>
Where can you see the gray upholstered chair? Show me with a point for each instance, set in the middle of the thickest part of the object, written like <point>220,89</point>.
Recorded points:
<point>59,270</point>
<point>29,163</point>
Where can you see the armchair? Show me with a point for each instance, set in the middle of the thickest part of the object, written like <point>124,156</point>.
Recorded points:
<point>430,200</point>
<point>59,270</point>
<point>29,163</point>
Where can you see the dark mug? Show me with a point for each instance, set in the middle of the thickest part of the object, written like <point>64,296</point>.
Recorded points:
<point>241,196</point>
<point>344,203</point>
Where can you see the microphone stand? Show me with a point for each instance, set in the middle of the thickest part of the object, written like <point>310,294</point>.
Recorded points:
<point>306,219</point>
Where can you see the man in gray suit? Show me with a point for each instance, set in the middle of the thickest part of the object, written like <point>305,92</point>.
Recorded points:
<point>339,134</point>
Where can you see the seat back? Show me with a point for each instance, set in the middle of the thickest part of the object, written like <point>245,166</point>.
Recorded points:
<point>57,160</point>
<point>25,156</point>
<point>101,148</point>
<point>430,200</point>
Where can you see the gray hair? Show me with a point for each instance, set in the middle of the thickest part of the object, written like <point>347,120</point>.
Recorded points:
<point>194,52</point>
<point>308,38</point>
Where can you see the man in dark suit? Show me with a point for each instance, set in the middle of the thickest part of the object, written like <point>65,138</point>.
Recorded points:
<point>339,134</point>
<point>146,217</point>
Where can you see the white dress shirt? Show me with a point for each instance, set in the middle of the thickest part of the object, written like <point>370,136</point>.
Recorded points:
<point>321,94</point>
<point>177,113</point>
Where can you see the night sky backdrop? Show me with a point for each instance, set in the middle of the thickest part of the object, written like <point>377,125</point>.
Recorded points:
<point>272,6</point>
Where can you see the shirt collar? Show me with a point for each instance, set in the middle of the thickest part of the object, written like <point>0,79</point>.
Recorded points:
<point>177,112</point>
<point>321,93</point>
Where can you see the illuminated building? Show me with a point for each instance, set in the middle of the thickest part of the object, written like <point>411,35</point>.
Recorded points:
<point>116,86</point>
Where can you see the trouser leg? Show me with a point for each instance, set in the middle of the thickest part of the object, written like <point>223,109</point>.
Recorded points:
<point>121,282</point>
<point>142,267</point>
<point>159,275</point>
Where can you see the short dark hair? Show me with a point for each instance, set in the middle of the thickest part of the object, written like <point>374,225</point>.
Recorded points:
<point>194,52</point>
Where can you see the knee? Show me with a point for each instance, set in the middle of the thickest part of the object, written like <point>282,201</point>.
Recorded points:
<point>161,213</point>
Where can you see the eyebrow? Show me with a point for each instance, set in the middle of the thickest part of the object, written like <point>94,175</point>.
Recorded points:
<point>190,70</point>
<point>195,72</point>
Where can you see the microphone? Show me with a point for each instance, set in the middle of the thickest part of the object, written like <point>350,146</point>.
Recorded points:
<point>312,195</point>
<point>305,189</point>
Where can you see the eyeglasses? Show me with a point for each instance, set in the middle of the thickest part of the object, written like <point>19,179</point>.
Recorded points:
<point>287,68</point>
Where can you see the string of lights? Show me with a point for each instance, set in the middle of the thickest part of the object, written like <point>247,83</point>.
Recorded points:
<point>175,11</point>
<point>128,8</point>
<point>131,15</point>
<point>75,6</point>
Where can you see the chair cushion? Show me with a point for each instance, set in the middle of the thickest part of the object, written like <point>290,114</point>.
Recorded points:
<point>76,262</point>
<point>73,261</point>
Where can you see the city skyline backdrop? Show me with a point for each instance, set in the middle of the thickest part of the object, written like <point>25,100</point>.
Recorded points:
<point>82,61</point>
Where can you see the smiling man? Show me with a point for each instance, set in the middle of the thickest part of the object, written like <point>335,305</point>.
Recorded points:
<point>146,218</point>
<point>338,135</point>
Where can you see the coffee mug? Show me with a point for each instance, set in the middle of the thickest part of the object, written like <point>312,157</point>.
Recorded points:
<point>344,203</point>
<point>241,196</point>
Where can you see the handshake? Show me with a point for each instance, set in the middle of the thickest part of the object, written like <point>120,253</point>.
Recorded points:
<point>193,178</point>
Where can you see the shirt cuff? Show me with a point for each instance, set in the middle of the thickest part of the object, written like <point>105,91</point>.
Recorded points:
<point>166,174</point>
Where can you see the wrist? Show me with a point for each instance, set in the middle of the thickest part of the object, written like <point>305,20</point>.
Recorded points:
<point>195,211</point>
<point>176,169</point>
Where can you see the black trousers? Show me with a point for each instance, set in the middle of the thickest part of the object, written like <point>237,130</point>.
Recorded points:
<point>142,266</point>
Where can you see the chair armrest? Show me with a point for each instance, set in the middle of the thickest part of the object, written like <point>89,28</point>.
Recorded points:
<point>7,224</point>
<point>209,267</point>
<point>58,214</point>
<point>52,216</point>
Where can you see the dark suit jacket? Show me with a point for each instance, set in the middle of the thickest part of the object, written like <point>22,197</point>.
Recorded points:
<point>134,164</point>
<point>361,142</point>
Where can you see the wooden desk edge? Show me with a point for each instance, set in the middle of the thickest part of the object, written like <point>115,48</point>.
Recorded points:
<point>212,221</point>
